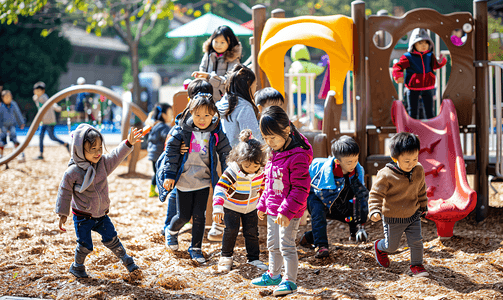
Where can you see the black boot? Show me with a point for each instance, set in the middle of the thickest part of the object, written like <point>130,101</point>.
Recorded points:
<point>116,246</point>
<point>80,256</point>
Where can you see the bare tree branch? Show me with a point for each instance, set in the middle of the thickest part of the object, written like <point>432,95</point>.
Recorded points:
<point>149,28</point>
<point>140,27</point>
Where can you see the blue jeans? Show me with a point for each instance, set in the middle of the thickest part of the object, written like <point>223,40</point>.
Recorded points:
<point>84,226</point>
<point>413,99</point>
<point>12,135</point>
<point>50,131</point>
<point>319,214</point>
<point>171,210</point>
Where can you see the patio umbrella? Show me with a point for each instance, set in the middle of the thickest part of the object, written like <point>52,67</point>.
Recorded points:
<point>205,25</point>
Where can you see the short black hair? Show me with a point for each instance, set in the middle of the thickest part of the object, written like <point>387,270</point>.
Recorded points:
<point>344,146</point>
<point>404,142</point>
<point>268,94</point>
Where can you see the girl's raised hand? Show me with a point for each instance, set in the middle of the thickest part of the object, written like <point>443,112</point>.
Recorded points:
<point>197,74</point>
<point>134,135</point>
<point>218,217</point>
<point>282,220</point>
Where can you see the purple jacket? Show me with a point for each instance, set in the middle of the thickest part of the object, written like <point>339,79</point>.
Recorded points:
<point>287,182</point>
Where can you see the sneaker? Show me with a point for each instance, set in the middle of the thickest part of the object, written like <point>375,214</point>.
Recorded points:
<point>129,264</point>
<point>21,158</point>
<point>322,252</point>
<point>152,193</point>
<point>197,255</point>
<point>285,288</point>
<point>40,157</point>
<point>79,272</point>
<point>418,271</point>
<point>225,264</point>
<point>171,240</point>
<point>259,264</point>
<point>381,256</point>
<point>216,232</point>
<point>304,242</point>
<point>266,280</point>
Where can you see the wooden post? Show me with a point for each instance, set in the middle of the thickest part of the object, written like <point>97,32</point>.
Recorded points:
<point>359,75</point>
<point>259,18</point>
<point>481,110</point>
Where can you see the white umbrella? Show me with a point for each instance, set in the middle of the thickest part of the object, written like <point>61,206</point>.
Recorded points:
<point>205,26</point>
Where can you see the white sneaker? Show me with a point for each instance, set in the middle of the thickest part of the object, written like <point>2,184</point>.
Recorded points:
<point>216,232</point>
<point>259,264</point>
<point>21,158</point>
<point>225,264</point>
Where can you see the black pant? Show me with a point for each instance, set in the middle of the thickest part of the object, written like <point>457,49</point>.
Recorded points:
<point>413,99</point>
<point>250,233</point>
<point>191,204</point>
<point>154,182</point>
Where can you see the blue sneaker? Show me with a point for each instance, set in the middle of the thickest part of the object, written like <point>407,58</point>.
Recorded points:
<point>266,280</point>
<point>197,255</point>
<point>286,287</point>
<point>171,240</point>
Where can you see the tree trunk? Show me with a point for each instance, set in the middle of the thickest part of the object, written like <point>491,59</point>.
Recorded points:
<point>135,68</point>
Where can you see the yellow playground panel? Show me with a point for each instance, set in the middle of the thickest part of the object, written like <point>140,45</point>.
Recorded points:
<point>332,34</point>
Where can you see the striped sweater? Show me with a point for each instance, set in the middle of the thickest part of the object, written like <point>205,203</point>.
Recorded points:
<point>237,191</point>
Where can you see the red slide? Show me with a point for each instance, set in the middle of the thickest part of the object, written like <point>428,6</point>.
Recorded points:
<point>450,198</point>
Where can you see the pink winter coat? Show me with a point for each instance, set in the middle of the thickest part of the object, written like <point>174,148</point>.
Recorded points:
<point>287,182</point>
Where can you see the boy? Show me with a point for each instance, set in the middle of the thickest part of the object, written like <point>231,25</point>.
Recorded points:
<point>419,63</point>
<point>268,97</point>
<point>335,182</point>
<point>399,197</point>
<point>49,118</point>
<point>10,117</point>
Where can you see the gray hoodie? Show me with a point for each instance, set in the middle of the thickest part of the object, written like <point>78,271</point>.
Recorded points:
<point>419,34</point>
<point>84,186</point>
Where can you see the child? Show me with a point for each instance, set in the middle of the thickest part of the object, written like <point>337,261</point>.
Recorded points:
<point>419,64</point>
<point>239,112</point>
<point>162,114</point>
<point>84,189</point>
<point>235,199</point>
<point>194,87</point>
<point>336,181</point>
<point>268,97</point>
<point>222,51</point>
<point>49,118</point>
<point>193,172</point>
<point>284,198</point>
<point>399,197</point>
<point>10,117</point>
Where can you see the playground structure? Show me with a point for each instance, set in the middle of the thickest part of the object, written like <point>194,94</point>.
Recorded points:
<point>351,45</point>
<point>127,109</point>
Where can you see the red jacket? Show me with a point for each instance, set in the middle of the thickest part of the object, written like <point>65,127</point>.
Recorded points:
<point>419,69</point>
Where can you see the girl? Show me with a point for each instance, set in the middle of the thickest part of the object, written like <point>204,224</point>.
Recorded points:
<point>221,52</point>
<point>193,172</point>
<point>84,189</point>
<point>163,115</point>
<point>239,112</point>
<point>284,199</point>
<point>10,117</point>
<point>235,198</point>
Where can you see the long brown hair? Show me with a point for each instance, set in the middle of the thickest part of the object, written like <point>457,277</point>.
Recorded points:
<point>238,85</point>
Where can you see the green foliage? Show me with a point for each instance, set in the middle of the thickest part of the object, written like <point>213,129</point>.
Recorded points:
<point>27,57</point>
<point>495,47</point>
<point>11,10</point>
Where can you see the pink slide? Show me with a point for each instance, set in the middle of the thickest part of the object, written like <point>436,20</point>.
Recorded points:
<point>450,198</point>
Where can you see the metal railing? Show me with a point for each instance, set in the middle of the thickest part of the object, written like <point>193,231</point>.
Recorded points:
<point>495,136</point>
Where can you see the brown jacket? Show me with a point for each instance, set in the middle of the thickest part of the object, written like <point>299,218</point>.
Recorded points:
<point>396,196</point>
<point>218,67</point>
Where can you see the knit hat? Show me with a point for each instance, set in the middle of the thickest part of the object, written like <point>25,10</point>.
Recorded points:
<point>419,34</point>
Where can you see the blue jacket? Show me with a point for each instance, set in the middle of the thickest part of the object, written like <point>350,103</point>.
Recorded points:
<point>170,163</point>
<point>327,188</point>
<point>10,115</point>
<point>156,138</point>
